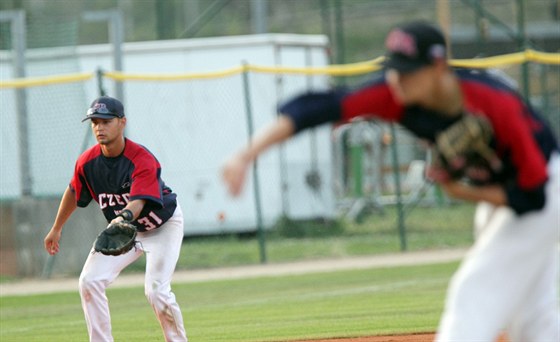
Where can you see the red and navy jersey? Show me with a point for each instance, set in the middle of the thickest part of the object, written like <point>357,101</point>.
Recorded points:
<point>113,182</point>
<point>522,139</point>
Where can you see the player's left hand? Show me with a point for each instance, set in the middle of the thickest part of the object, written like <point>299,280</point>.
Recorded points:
<point>234,172</point>
<point>118,238</point>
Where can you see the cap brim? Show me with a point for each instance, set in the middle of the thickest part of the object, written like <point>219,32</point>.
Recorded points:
<point>99,116</point>
<point>401,64</point>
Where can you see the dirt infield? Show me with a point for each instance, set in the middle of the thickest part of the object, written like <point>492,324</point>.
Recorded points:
<point>420,337</point>
<point>425,337</point>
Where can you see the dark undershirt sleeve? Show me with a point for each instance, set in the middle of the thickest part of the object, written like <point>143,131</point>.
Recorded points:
<point>523,201</point>
<point>313,109</point>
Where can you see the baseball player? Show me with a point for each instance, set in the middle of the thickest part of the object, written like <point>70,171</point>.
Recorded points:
<point>123,177</point>
<point>508,280</point>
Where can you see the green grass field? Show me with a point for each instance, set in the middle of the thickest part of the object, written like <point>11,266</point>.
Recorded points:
<point>348,303</point>
<point>429,228</point>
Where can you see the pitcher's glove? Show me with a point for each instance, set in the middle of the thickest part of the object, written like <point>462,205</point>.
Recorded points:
<point>118,238</point>
<point>463,151</point>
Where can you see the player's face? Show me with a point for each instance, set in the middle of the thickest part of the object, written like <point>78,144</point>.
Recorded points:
<point>412,88</point>
<point>107,131</point>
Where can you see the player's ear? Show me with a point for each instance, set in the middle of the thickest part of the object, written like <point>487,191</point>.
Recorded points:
<point>441,64</point>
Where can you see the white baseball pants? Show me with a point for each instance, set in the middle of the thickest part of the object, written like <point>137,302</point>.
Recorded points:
<point>162,247</point>
<point>509,279</point>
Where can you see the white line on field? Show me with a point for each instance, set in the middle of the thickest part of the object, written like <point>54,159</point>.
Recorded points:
<point>41,286</point>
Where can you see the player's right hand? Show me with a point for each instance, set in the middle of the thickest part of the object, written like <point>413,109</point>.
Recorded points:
<point>51,241</point>
<point>437,174</point>
<point>234,172</point>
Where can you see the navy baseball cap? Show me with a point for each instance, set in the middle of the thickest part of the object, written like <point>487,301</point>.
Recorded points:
<point>413,45</point>
<point>105,107</point>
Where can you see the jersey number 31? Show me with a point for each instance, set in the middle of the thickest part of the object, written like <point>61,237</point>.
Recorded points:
<point>148,221</point>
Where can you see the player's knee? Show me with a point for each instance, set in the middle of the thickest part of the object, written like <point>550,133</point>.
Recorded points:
<point>462,296</point>
<point>156,293</point>
<point>90,285</point>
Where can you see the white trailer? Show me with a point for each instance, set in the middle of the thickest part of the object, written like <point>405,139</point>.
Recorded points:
<point>191,126</point>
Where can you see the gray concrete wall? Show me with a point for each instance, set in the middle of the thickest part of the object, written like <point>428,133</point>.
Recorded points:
<point>33,218</point>
<point>8,261</point>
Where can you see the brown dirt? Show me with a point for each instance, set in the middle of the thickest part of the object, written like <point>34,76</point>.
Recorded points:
<point>392,338</point>
<point>419,337</point>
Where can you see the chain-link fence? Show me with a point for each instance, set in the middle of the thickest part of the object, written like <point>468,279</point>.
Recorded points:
<point>192,122</point>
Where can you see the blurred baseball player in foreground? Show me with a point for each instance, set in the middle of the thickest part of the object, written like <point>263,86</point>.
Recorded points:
<point>123,177</point>
<point>508,280</point>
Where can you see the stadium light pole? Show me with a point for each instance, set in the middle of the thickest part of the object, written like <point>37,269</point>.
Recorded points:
<point>522,43</point>
<point>259,16</point>
<point>114,19</point>
<point>444,20</point>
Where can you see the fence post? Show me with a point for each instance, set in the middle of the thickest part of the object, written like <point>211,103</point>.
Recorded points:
<point>16,18</point>
<point>279,86</point>
<point>256,188</point>
<point>396,170</point>
<point>356,162</point>
<point>100,87</point>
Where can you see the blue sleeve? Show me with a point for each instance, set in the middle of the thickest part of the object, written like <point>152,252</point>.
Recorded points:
<point>313,109</point>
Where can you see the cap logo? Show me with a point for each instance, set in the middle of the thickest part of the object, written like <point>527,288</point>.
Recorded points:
<point>401,42</point>
<point>98,106</point>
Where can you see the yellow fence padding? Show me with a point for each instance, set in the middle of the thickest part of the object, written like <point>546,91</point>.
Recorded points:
<point>344,69</point>
<point>332,70</point>
<point>120,76</point>
<point>542,57</point>
<point>512,58</point>
<point>46,80</point>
